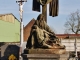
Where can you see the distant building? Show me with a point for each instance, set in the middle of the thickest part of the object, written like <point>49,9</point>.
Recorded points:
<point>9,28</point>
<point>69,41</point>
<point>27,29</point>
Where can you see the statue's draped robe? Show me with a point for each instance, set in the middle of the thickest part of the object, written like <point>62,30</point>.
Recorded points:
<point>36,6</point>
<point>53,7</point>
<point>43,25</point>
<point>33,39</point>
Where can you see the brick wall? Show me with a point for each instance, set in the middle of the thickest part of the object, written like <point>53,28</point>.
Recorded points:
<point>27,29</point>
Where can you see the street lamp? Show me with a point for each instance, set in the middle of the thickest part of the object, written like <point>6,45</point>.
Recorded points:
<point>21,3</point>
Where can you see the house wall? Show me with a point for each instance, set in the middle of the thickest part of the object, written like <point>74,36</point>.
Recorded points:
<point>69,43</point>
<point>9,30</point>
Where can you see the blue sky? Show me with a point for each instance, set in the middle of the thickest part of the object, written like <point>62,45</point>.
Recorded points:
<point>57,23</point>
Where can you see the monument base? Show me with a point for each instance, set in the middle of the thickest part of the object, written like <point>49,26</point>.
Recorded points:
<point>45,54</point>
<point>44,51</point>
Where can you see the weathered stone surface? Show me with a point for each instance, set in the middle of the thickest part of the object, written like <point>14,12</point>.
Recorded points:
<point>43,44</point>
<point>40,57</point>
<point>41,36</point>
<point>45,56</point>
<point>44,51</point>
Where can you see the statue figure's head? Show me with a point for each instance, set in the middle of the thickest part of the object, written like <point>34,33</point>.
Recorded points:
<point>35,27</point>
<point>40,21</point>
<point>40,17</point>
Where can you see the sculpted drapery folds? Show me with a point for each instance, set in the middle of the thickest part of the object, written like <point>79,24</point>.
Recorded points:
<point>40,36</point>
<point>40,22</point>
<point>36,6</point>
<point>53,7</point>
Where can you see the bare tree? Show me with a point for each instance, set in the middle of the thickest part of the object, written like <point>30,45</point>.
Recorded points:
<point>73,22</point>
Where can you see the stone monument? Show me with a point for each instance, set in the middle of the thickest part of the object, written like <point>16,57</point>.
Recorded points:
<point>42,44</point>
<point>41,36</point>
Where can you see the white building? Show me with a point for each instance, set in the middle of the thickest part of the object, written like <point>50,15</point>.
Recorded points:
<point>69,41</point>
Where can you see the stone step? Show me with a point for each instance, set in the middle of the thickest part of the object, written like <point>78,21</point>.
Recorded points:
<point>44,51</point>
<point>45,56</point>
<point>40,57</point>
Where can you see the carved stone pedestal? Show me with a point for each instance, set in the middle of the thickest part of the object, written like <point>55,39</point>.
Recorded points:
<point>45,54</point>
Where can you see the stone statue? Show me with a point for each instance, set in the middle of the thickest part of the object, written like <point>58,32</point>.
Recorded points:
<point>41,36</point>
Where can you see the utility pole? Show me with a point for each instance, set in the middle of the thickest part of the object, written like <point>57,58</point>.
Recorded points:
<point>75,44</point>
<point>21,3</point>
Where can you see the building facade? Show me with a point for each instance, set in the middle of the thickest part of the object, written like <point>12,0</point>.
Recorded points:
<point>70,41</point>
<point>9,28</point>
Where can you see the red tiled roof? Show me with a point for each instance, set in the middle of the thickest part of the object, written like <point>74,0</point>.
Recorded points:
<point>67,35</point>
<point>27,29</point>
